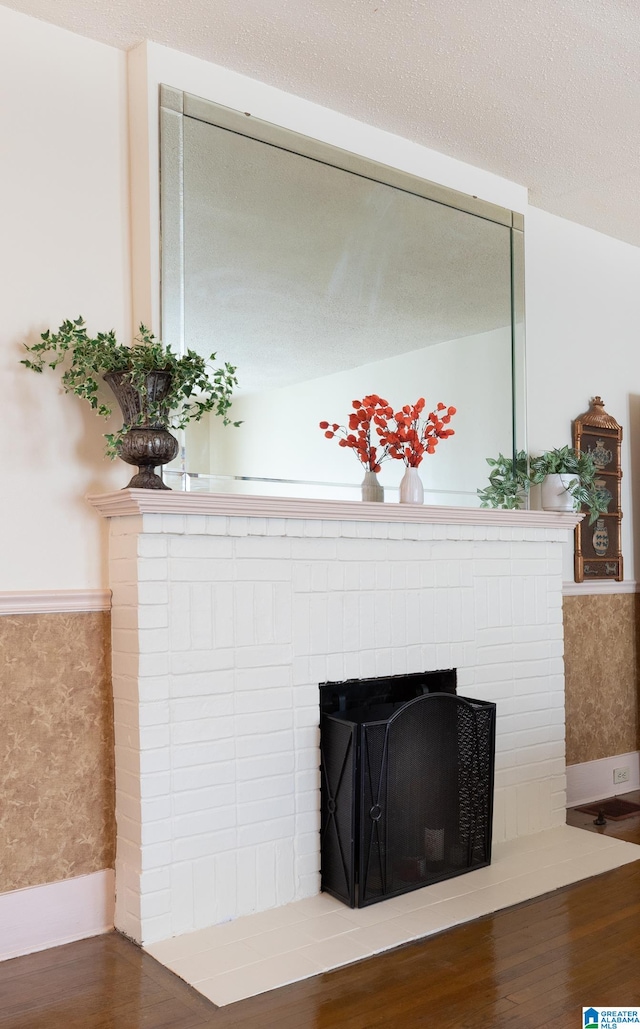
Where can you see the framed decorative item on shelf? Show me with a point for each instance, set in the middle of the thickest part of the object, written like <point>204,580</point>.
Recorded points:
<point>598,547</point>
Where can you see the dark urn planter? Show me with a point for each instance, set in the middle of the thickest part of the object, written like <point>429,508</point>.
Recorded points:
<point>147,445</point>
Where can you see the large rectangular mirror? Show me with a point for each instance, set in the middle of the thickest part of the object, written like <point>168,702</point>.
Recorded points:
<point>325,277</point>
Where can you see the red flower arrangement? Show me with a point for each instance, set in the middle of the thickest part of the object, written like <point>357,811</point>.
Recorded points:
<point>414,437</point>
<point>369,411</point>
<point>403,435</point>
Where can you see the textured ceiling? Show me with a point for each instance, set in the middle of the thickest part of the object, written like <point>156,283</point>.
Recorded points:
<point>543,92</point>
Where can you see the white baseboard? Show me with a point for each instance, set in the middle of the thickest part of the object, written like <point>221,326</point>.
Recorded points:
<point>56,913</point>
<point>593,780</point>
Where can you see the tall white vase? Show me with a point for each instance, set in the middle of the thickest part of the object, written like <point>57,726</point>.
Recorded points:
<point>411,488</point>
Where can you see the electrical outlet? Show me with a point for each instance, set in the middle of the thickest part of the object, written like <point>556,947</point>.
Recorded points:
<point>621,774</point>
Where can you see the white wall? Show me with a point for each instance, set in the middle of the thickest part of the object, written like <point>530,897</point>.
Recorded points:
<point>65,252</point>
<point>583,326</point>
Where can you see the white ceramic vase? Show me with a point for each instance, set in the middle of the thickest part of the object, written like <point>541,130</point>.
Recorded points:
<point>371,488</point>
<point>554,493</point>
<point>411,488</point>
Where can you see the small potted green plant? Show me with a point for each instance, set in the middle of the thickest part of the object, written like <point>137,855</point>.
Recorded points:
<point>508,485</point>
<point>156,389</point>
<point>569,480</point>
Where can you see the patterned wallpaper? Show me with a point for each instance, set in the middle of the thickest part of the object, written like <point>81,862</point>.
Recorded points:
<point>56,743</point>
<point>601,672</point>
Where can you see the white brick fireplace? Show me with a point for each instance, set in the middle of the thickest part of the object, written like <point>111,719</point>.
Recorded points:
<point>227,614</point>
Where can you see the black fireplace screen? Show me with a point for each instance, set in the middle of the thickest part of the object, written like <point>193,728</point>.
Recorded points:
<point>407,785</point>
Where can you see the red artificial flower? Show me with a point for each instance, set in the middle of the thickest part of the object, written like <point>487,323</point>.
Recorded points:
<point>414,437</point>
<point>404,435</point>
<point>367,421</point>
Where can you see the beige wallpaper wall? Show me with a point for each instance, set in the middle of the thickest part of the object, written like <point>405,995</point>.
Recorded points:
<point>56,746</point>
<point>601,673</point>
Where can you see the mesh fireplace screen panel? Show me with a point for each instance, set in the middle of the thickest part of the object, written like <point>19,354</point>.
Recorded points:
<point>424,779</point>
<point>338,807</point>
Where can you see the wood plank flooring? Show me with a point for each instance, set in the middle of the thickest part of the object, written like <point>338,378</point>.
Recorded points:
<point>626,829</point>
<point>534,965</point>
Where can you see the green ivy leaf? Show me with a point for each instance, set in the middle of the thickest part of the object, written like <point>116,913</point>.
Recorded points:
<point>193,390</point>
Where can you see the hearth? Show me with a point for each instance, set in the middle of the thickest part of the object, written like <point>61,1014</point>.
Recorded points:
<point>407,784</point>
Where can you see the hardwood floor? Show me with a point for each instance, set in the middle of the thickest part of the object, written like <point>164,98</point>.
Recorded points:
<point>530,966</point>
<point>626,829</point>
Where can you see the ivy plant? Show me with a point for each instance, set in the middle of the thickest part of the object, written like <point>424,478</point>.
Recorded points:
<point>196,387</point>
<point>508,486</point>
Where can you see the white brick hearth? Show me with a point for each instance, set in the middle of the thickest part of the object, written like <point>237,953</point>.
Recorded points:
<point>228,613</point>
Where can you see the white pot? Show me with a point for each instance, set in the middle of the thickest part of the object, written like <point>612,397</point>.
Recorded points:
<point>555,495</point>
<point>411,488</point>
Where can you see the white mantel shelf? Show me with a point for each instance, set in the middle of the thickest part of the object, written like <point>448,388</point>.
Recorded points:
<point>129,502</point>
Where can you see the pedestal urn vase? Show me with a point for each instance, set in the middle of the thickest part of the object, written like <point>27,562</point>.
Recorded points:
<point>147,443</point>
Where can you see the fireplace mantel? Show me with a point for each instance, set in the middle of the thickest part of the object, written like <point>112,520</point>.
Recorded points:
<point>128,502</point>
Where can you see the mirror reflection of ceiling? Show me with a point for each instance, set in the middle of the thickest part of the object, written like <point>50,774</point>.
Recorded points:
<point>545,94</point>
<point>295,269</point>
